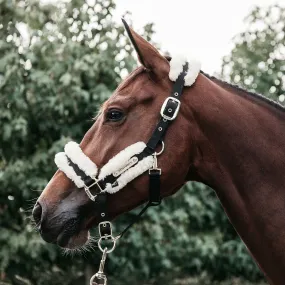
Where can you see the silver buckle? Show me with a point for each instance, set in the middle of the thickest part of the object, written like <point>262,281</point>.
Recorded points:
<point>164,106</point>
<point>89,194</point>
<point>154,165</point>
<point>104,224</point>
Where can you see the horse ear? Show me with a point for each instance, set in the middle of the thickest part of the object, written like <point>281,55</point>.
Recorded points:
<point>147,54</point>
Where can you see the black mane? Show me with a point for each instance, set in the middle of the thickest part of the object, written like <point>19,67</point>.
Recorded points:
<point>242,91</point>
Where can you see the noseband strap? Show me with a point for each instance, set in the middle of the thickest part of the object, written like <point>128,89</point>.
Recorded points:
<point>131,162</point>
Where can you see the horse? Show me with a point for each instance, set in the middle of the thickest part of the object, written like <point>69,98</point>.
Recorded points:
<point>225,137</point>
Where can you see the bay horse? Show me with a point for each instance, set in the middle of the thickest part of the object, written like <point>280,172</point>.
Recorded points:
<point>225,137</point>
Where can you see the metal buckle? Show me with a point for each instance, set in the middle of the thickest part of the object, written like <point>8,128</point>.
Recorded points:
<point>104,224</point>
<point>89,194</point>
<point>154,165</point>
<point>154,170</point>
<point>164,105</point>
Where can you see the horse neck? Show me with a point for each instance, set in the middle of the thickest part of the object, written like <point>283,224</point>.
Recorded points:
<point>239,152</point>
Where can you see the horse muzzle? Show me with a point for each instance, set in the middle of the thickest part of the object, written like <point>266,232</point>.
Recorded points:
<point>61,224</point>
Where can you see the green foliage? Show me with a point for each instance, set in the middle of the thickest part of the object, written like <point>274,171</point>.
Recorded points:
<point>58,63</point>
<point>257,60</point>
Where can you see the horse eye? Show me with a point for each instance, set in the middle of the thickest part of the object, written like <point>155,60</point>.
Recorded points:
<point>114,115</point>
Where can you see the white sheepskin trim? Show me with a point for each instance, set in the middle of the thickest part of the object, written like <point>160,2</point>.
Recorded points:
<point>193,72</point>
<point>130,174</point>
<point>61,161</point>
<point>121,159</point>
<point>75,153</point>
<point>176,67</point>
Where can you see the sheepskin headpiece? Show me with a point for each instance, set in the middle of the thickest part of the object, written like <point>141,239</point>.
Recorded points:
<point>176,67</point>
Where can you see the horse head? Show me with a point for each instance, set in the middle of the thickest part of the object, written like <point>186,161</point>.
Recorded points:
<point>63,212</point>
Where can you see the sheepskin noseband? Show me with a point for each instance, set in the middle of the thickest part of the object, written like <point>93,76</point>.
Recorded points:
<point>122,168</point>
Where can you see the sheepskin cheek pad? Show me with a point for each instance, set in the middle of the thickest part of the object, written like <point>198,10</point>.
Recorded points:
<point>120,163</point>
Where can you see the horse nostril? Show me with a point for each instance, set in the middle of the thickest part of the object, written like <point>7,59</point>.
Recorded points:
<point>37,213</point>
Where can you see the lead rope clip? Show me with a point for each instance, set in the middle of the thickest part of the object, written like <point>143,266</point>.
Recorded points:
<point>100,278</point>
<point>154,168</point>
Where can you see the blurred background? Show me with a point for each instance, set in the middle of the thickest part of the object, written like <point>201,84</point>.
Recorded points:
<point>59,60</point>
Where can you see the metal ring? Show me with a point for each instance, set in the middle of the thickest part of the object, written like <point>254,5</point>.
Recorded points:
<point>96,276</point>
<point>114,240</point>
<point>161,151</point>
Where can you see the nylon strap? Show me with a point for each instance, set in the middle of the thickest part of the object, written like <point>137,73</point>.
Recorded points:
<point>154,187</point>
<point>163,124</point>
